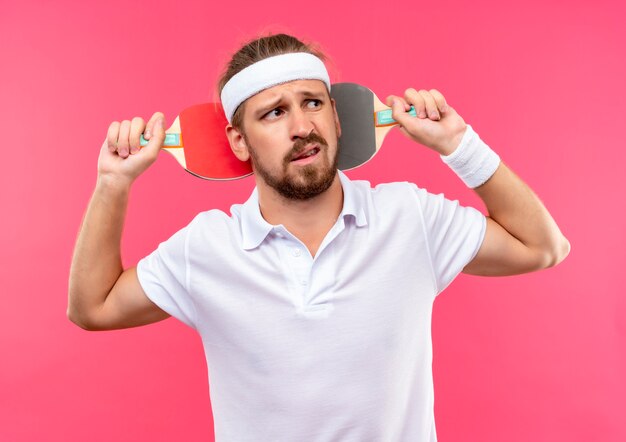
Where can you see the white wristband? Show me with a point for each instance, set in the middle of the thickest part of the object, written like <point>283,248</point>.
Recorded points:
<point>473,161</point>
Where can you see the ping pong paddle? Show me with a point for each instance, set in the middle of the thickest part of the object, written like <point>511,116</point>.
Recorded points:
<point>197,141</point>
<point>365,122</point>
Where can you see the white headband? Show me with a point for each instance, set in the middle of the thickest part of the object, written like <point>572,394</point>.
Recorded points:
<point>271,72</point>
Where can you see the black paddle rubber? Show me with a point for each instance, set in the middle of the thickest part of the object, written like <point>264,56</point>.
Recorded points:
<point>355,107</point>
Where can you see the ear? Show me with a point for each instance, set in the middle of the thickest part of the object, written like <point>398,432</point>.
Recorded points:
<point>237,143</point>
<point>337,125</point>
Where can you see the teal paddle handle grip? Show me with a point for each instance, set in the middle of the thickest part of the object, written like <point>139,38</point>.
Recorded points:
<point>170,140</point>
<point>384,118</point>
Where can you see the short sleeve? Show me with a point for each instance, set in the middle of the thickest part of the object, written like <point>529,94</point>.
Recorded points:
<point>454,235</point>
<point>163,276</point>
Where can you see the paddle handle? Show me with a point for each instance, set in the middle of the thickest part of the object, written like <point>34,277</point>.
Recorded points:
<point>172,140</point>
<point>384,118</point>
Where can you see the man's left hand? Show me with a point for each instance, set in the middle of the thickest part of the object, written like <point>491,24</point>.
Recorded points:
<point>437,125</point>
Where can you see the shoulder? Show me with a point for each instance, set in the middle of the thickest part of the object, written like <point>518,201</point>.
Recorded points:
<point>402,199</point>
<point>213,216</point>
<point>399,193</point>
<point>196,229</point>
<point>386,204</point>
<point>364,186</point>
<point>214,221</point>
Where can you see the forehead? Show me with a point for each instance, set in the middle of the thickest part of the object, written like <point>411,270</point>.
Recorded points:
<point>296,88</point>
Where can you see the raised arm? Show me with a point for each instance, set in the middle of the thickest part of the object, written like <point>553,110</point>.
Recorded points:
<point>521,234</point>
<point>102,295</point>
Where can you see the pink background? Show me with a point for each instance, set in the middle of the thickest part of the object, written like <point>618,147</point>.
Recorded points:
<point>539,357</point>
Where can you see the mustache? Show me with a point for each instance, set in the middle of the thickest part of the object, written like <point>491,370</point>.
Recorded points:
<point>302,143</point>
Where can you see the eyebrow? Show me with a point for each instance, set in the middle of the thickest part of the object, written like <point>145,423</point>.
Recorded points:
<point>272,104</point>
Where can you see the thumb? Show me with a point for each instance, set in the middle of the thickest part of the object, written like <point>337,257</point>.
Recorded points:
<point>158,136</point>
<point>399,112</point>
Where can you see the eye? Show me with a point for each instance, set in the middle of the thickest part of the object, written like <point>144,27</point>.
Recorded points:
<point>313,104</point>
<point>274,113</point>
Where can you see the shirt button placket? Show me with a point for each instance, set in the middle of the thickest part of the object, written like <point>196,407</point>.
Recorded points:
<point>302,267</point>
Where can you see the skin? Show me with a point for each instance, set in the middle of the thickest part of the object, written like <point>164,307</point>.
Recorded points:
<point>274,120</point>
<point>521,235</point>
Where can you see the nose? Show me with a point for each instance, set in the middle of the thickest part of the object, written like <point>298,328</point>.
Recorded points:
<point>301,124</point>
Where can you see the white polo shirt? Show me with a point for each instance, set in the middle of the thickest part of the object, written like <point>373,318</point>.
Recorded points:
<point>331,348</point>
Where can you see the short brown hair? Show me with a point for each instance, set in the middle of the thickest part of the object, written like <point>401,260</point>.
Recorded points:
<point>260,49</point>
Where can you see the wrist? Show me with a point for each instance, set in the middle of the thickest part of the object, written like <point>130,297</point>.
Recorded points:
<point>473,161</point>
<point>454,143</point>
<point>113,184</point>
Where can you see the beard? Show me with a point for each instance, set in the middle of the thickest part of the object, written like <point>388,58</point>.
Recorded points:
<point>310,180</point>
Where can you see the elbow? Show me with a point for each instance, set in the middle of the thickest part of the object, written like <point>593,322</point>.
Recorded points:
<point>557,253</point>
<point>79,318</point>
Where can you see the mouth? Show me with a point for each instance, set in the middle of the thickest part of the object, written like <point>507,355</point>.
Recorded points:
<point>307,154</point>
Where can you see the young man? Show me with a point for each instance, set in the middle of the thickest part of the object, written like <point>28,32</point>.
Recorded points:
<point>314,298</point>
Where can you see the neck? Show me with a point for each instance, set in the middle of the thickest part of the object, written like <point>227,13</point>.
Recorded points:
<point>309,220</point>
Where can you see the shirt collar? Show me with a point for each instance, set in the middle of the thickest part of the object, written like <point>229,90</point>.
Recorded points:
<point>255,229</point>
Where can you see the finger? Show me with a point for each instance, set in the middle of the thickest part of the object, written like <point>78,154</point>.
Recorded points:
<point>417,101</point>
<point>157,138</point>
<point>390,98</point>
<point>439,99</point>
<point>112,135</point>
<point>149,127</point>
<point>431,105</point>
<point>122,141</point>
<point>399,111</point>
<point>136,129</point>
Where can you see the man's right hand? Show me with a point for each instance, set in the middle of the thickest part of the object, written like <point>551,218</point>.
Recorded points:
<point>122,159</point>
